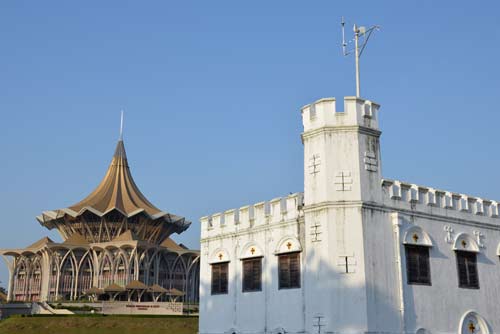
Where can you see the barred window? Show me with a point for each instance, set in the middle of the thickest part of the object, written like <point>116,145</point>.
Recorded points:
<point>289,270</point>
<point>417,265</point>
<point>467,270</point>
<point>252,272</point>
<point>219,278</point>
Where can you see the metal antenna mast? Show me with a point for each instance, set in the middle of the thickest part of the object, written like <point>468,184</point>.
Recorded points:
<point>361,35</point>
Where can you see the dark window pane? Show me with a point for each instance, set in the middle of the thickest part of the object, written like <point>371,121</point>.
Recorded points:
<point>418,265</point>
<point>295,270</point>
<point>252,272</point>
<point>219,278</point>
<point>289,270</point>
<point>467,270</point>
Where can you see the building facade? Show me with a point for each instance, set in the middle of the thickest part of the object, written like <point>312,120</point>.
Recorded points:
<point>115,243</point>
<point>353,252</point>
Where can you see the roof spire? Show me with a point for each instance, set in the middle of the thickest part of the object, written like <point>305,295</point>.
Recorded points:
<point>121,126</point>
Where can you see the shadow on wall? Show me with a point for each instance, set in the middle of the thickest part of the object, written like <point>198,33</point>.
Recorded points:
<point>329,300</point>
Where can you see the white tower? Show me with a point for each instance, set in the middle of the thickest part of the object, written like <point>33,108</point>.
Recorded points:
<point>341,178</point>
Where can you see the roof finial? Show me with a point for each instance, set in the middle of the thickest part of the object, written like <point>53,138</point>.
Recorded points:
<point>121,126</point>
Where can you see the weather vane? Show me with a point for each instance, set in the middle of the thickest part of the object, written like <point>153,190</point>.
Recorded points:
<point>361,36</point>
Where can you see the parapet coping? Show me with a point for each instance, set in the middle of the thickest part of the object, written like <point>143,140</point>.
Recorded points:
<point>245,207</point>
<point>333,99</point>
<point>465,203</point>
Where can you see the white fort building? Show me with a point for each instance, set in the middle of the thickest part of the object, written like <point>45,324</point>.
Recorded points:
<point>353,252</point>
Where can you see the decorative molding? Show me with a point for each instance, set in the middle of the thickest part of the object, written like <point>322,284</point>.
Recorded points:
<point>465,242</point>
<point>480,238</point>
<point>347,262</point>
<point>415,235</point>
<point>314,164</point>
<point>288,244</point>
<point>449,234</point>
<point>473,323</point>
<point>343,181</point>
<point>251,249</point>
<point>219,255</point>
<point>315,232</point>
<point>371,162</point>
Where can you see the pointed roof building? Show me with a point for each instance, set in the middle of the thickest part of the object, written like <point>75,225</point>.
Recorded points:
<point>115,206</point>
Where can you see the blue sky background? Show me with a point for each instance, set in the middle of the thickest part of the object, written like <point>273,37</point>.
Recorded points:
<point>212,91</point>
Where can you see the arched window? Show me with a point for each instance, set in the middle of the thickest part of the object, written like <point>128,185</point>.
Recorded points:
<point>417,248</point>
<point>142,268</point>
<point>106,274</point>
<point>220,273</point>
<point>121,270</point>
<point>153,270</point>
<point>35,280</point>
<point>20,283</point>
<point>219,264</point>
<point>55,260</point>
<point>288,254</point>
<point>466,249</point>
<point>67,278</point>
<point>251,262</point>
<point>85,275</point>
<point>163,271</point>
<point>178,275</point>
<point>467,270</point>
<point>193,281</point>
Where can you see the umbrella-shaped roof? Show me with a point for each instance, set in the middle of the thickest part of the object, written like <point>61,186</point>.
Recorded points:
<point>114,288</point>
<point>94,291</point>
<point>136,285</point>
<point>117,192</point>
<point>158,289</point>
<point>175,292</point>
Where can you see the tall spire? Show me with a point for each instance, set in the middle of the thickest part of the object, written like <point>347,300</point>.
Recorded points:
<point>121,127</point>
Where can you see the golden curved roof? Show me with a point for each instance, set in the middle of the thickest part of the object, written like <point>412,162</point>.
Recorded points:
<point>117,191</point>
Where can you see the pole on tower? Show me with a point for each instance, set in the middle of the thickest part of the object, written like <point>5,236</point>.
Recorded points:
<point>359,33</point>
<point>356,55</point>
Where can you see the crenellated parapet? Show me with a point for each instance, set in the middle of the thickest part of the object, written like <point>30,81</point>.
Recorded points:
<point>276,211</point>
<point>413,195</point>
<point>325,113</point>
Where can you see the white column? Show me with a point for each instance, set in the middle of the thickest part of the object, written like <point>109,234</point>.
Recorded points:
<point>45,276</point>
<point>11,267</point>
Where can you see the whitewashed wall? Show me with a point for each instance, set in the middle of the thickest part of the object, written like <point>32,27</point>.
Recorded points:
<point>265,226</point>
<point>352,230</point>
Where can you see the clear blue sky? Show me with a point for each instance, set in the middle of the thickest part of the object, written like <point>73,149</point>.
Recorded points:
<point>212,91</point>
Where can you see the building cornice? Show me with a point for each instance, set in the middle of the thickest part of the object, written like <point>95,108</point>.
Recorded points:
<point>339,129</point>
<point>253,230</point>
<point>408,212</point>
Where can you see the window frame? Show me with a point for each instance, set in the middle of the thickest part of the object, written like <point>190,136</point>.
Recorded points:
<point>418,248</point>
<point>212,266</point>
<point>467,255</point>
<point>245,289</point>
<point>299,279</point>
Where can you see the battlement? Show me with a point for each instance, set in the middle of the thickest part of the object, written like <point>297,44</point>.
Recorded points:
<point>413,194</point>
<point>275,211</point>
<point>324,113</point>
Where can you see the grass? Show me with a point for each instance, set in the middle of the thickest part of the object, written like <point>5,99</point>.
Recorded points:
<point>99,324</point>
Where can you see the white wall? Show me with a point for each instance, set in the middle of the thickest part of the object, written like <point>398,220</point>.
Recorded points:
<point>361,218</point>
<point>441,306</point>
<point>272,224</point>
